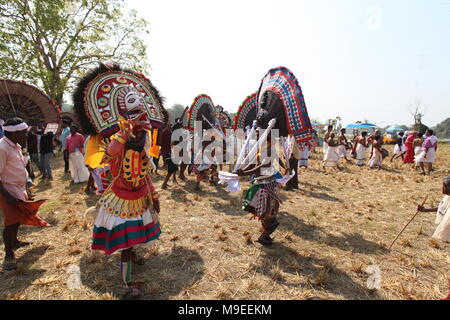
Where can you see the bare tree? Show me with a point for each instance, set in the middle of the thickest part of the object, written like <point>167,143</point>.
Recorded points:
<point>418,111</point>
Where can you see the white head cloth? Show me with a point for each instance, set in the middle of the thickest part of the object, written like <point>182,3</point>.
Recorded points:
<point>18,127</point>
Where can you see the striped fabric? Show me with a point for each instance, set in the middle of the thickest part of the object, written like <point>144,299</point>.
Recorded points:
<point>125,235</point>
<point>283,82</point>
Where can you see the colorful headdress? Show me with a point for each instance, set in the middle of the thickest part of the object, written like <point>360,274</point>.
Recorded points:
<point>247,112</point>
<point>109,93</point>
<point>223,117</point>
<point>185,118</point>
<point>282,82</point>
<point>19,99</point>
<point>200,101</point>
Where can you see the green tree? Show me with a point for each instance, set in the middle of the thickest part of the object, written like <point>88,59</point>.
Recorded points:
<point>336,123</point>
<point>442,130</point>
<point>176,111</point>
<point>50,43</point>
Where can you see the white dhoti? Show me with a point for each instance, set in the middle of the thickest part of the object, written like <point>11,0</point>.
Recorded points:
<point>77,167</point>
<point>377,159</point>
<point>304,157</point>
<point>443,220</point>
<point>324,148</point>
<point>342,152</point>
<point>360,155</point>
<point>398,150</point>
<point>427,157</point>
<point>331,158</point>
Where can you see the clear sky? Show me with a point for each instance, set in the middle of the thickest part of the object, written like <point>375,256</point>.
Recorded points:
<point>357,59</point>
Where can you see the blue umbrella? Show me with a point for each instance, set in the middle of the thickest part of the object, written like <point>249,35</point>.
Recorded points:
<point>393,129</point>
<point>361,126</point>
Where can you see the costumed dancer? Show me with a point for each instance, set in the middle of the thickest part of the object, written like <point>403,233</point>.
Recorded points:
<point>13,193</point>
<point>442,232</point>
<point>128,213</point>
<point>262,199</point>
<point>203,110</point>
<point>119,108</point>
<point>281,106</point>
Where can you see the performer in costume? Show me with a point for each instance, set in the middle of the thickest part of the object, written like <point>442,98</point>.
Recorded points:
<point>262,199</point>
<point>280,106</point>
<point>203,110</point>
<point>121,109</point>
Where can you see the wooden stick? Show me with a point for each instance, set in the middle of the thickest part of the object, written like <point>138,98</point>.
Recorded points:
<point>423,203</point>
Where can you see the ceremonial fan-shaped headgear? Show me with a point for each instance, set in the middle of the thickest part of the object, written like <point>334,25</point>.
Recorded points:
<point>283,83</point>
<point>223,117</point>
<point>247,112</point>
<point>199,102</point>
<point>108,93</point>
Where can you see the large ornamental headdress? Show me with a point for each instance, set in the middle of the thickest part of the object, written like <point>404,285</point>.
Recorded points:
<point>202,105</point>
<point>223,117</point>
<point>20,99</point>
<point>108,94</point>
<point>282,82</point>
<point>246,113</point>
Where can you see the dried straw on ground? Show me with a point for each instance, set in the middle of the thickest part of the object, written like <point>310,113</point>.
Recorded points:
<point>331,230</point>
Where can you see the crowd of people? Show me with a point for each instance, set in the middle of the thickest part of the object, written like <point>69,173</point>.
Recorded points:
<point>413,148</point>
<point>22,146</point>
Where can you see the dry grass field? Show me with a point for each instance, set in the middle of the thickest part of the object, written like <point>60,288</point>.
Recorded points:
<point>331,230</point>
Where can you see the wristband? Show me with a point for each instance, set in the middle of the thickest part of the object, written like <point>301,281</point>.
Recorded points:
<point>120,139</point>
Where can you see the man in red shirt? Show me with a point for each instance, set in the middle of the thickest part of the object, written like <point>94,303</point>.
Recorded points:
<point>74,145</point>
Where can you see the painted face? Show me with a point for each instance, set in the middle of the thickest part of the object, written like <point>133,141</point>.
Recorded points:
<point>133,101</point>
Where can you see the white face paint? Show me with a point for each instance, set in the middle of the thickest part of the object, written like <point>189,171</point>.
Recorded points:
<point>132,101</point>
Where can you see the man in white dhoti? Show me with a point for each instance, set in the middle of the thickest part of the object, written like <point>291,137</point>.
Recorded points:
<point>304,153</point>
<point>361,148</point>
<point>343,146</point>
<point>325,139</point>
<point>74,145</point>
<point>442,217</point>
<point>376,157</point>
<point>399,149</point>
<point>331,158</point>
<point>428,154</point>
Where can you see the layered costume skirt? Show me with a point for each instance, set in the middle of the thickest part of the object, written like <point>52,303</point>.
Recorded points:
<point>116,232</point>
<point>262,199</point>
